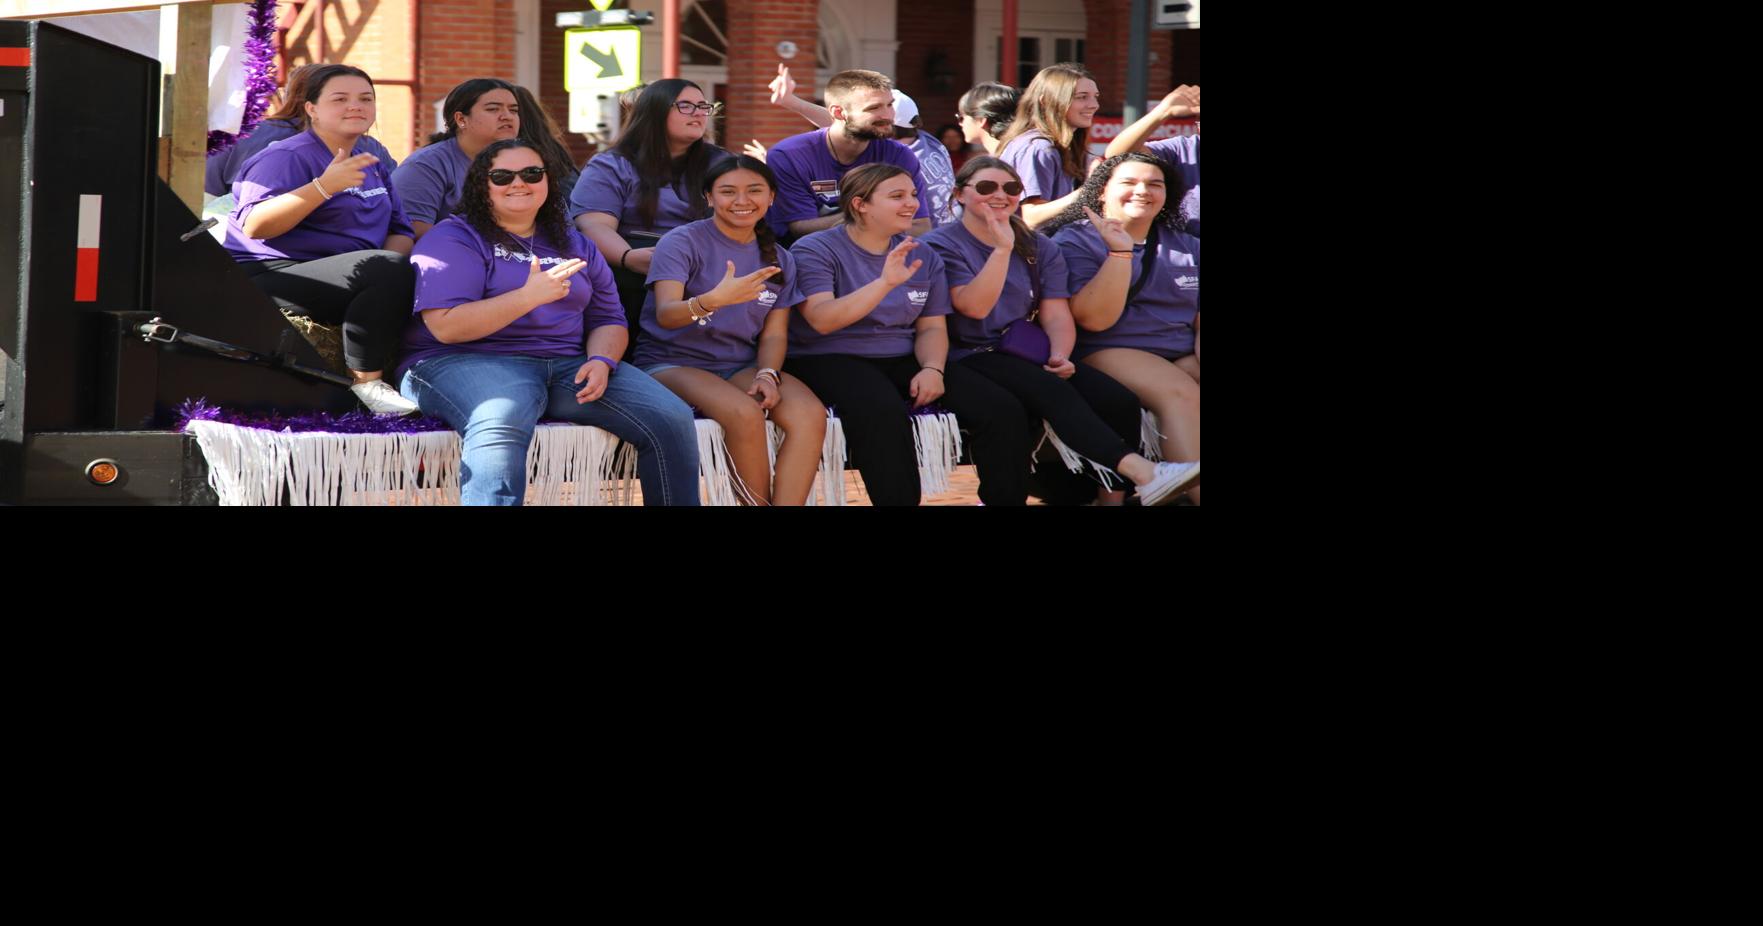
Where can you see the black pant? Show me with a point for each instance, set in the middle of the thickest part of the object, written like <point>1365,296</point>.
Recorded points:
<point>1092,413</point>
<point>871,397</point>
<point>370,292</point>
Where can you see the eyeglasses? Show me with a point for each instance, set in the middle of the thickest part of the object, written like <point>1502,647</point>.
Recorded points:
<point>502,177</point>
<point>701,109</point>
<point>988,187</point>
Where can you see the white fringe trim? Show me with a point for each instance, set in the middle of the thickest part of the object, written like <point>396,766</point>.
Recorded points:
<point>566,465</point>
<point>937,438</point>
<point>1150,439</point>
<point>1073,460</point>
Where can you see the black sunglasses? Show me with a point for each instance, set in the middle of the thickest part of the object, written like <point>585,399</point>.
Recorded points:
<point>501,177</point>
<point>987,187</point>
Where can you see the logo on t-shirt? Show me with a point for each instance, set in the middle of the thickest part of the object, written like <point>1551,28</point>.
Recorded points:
<point>366,194</point>
<point>1186,281</point>
<point>918,296</point>
<point>503,253</point>
<point>767,299</point>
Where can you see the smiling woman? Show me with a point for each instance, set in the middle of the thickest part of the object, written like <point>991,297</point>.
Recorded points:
<point>514,320</point>
<point>319,227</point>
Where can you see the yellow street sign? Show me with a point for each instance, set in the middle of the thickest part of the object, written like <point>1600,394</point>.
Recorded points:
<point>601,5</point>
<point>604,60</point>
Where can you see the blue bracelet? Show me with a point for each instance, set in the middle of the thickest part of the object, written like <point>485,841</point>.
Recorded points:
<point>611,364</point>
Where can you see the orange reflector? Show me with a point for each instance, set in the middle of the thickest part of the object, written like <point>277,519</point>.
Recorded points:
<point>102,472</point>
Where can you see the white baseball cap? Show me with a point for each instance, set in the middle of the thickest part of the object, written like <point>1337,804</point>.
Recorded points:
<point>905,111</point>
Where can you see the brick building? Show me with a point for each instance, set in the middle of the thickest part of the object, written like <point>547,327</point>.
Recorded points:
<point>419,49</point>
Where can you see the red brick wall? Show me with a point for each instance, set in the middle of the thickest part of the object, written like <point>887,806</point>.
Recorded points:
<point>1108,28</point>
<point>928,30</point>
<point>461,39</point>
<point>754,29</point>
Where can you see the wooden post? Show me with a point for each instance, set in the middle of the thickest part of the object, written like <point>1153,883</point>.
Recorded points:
<point>189,104</point>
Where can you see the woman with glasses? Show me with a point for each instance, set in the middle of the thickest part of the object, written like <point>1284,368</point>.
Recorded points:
<point>1006,282</point>
<point>1136,280</point>
<point>479,111</point>
<point>317,225</point>
<point>649,183</point>
<point>515,321</point>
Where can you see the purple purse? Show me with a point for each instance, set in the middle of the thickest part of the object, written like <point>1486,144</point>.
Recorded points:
<point>1025,338</point>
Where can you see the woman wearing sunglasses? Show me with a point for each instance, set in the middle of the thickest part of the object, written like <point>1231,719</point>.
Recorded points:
<point>1006,282</point>
<point>1136,276</point>
<point>870,340</point>
<point>319,228</point>
<point>715,327</point>
<point>515,321</point>
<point>649,183</point>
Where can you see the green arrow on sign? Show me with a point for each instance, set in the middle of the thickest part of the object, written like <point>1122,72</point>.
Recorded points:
<point>608,61</point>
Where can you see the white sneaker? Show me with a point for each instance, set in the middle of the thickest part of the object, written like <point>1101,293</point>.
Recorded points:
<point>1171,480</point>
<point>381,399</point>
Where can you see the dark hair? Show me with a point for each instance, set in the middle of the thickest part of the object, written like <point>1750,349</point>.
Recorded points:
<point>463,97</point>
<point>948,127</point>
<point>766,237</point>
<point>993,103</point>
<point>293,105</point>
<point>474,199</point>
<point>322,74</point>
<point>1025,237</point>
<point>537,127</point>
<point>644,144</point>
<point>862,182</point>
<point>1043,106</point>
<point>1090,194</point>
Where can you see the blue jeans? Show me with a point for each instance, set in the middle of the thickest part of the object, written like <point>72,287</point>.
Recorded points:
<point>495,401</point>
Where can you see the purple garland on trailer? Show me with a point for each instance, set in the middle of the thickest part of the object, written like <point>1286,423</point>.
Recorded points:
<point>260,79</point>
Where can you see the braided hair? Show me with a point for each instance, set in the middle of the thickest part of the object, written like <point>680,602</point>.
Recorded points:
<point>1090,194</point>
<point>474,200</point>
<point>767,239</point>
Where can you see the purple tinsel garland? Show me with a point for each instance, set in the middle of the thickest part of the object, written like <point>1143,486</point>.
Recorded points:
<point>259,73</point>
<point>356,422</point>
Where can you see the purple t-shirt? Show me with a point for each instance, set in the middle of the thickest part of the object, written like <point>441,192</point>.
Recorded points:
<point>430,180</point>
<point>224,166</point>
<point>808,176</point>
<point>698,255</point>
<point>357,219</point>
<point>455,265</point>
<point>610,184</point>
<point>1184,152</point>
<point>1160,319</point>
<point>1039,164</point>
<point>830,262</point>
<point>964,256</point>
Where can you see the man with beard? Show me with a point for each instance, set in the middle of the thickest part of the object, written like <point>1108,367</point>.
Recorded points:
<point>809,166</point>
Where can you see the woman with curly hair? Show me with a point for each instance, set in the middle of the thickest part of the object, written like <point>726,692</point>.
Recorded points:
<point>1135,282</point>
<point>1047,143</point>
<point>504,336</point>
<point>1002,276</point>
<point>650,183</point>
